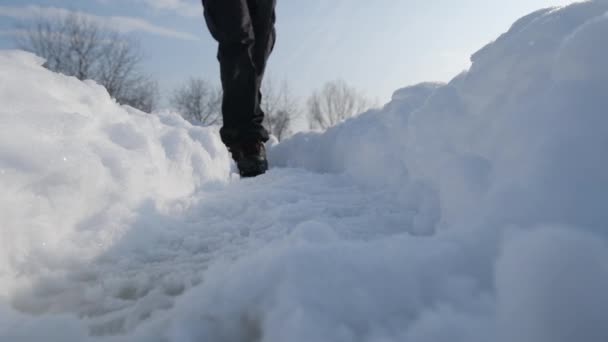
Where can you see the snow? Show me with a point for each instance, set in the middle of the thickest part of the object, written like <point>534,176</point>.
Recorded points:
<point>569,263</point>
<point>467,211</point>
<point>77,170</point>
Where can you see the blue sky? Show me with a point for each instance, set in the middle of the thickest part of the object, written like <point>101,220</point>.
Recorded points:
<point>378,46</point>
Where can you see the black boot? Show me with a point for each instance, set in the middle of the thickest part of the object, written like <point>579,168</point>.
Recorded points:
<point>250,158</point>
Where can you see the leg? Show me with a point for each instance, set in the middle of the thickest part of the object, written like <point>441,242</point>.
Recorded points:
<point>263,18</point>
<point>230,23</point>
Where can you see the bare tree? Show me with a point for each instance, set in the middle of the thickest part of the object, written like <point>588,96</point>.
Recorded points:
<point>76,46</point>
<point>198,102</point>
<point>141,93</point>
<point>336,102</point>
<point>281,108</point>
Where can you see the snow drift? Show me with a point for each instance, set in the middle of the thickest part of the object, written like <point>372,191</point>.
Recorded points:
<point>76,170</point>
<point>516,139</point>
<point>467,211</point>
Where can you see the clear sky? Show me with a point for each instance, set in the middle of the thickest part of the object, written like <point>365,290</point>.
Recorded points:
<point>378,46</point>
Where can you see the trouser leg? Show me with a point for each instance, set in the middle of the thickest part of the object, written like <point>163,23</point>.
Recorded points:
<point>263,18</point>
<point>244,30</point>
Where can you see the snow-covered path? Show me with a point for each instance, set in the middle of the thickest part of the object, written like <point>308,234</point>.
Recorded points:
<point>167,253</point>
<point>229,221</point>
<point>471,211</point>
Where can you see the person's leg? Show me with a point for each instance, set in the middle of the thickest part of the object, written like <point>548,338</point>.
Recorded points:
<point>230,23</point>
<point>262,14</point>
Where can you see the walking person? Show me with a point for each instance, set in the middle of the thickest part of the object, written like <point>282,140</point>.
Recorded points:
<point>244,30</point>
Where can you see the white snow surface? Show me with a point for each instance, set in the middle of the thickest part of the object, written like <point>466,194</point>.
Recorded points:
<point>471,211</point>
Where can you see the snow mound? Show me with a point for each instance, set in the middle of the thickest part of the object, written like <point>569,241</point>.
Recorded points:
<point>513,144</point>
<point>75,168</point>
<point>467,211</point>
<point>517,139</point>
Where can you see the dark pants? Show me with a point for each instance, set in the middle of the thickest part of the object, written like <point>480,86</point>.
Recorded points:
<point>245,32</point>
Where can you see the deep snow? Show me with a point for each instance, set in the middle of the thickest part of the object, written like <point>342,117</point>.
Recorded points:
<point>470,211</point>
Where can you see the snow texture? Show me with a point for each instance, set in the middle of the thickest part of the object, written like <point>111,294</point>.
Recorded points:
<point>468,211</point>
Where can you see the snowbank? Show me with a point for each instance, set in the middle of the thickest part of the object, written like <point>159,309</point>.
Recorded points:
<point>515,143</point>
<point>517,139</point>
<point>467,211</point>
<point>76,168</point>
